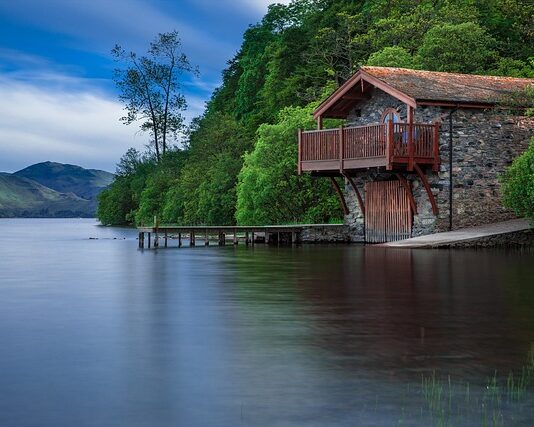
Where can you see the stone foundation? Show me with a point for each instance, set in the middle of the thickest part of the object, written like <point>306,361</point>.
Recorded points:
<point>335,233</point>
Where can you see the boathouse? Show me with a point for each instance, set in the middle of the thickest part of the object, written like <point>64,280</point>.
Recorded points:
<point>420,151</point>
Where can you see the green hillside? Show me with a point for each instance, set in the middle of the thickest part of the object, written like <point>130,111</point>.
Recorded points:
<point>22,197</point>
<point>65,178</point>
<point>239,162</point>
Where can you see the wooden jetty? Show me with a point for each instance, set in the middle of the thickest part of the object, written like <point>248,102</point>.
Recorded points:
<point>250,235</point>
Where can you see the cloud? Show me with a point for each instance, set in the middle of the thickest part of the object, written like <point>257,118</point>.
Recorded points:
<point>260,5</point>
<point>78,126</point>
<point>252,8</point>
<point>97,24</point>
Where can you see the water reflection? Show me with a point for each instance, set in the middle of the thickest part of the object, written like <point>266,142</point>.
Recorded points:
<point>100,333</point>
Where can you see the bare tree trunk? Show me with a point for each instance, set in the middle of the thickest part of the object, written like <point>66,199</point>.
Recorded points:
<point>152,112</point>
<point>167,95</point>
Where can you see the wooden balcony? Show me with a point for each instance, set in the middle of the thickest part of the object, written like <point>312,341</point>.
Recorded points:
<point>392,145</point>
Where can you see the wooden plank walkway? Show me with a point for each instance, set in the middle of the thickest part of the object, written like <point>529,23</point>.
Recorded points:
<point>459,236</point>
<point>248,234</point>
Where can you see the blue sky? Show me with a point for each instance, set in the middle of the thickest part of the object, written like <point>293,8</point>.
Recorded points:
<point>57,99</point>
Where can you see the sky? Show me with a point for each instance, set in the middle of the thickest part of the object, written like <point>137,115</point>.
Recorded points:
<point>57,98</point>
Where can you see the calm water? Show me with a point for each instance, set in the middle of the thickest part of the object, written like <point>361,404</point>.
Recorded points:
<point>99,333</point>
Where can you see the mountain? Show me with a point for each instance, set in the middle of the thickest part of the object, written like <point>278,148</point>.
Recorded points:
<point>85,183</point>
<point>51,190</point>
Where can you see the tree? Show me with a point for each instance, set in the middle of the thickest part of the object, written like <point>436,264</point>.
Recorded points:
<point>518,184</point>
<point>394,56</point>
<point>336,48</point>
<point>216,146</point>
<point>150,88</point>
<point>269,191</point>
<point>129,162</point>
<point>461,48</point>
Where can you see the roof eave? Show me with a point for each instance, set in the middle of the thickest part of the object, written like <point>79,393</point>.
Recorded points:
<point>336,95</point>
<point>354,80</point>
<point>456,104</point>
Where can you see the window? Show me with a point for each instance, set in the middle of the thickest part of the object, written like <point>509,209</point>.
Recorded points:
<point>390,114</point>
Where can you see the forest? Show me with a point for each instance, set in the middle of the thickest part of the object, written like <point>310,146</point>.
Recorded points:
<point>238,162</point>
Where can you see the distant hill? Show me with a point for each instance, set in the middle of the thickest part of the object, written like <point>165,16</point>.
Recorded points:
<point>51,190</point>
<point>85,183</point>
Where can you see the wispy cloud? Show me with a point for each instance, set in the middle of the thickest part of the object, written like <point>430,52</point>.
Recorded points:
<point>252,8</point>
<point>58,117</point>
<point>98,24</point>
<point>260,6</point>
<point>76,126</point>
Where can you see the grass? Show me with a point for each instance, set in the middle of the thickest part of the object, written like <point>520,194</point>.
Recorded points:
<point>496,405</point>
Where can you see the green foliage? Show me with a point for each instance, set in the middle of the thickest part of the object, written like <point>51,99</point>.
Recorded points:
<point>269,191</point>
<point>116,204</point>
<point>394,56</point>
<point>120,201</point>
<point>514,68</point>
<point>153,197</point>
<point>518,184</point>
<point>294,56</point>
<point>150,88</point>
<point>207,182</point>
<point>462,48</point>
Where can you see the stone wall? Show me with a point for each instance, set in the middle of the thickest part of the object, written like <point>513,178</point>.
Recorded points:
<point>335,233</point>
<point>484,143</point>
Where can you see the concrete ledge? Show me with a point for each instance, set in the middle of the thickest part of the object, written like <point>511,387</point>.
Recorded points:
<point>513,232</point>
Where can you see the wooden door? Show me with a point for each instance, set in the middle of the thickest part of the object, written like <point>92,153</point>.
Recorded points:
<point>388,215</point>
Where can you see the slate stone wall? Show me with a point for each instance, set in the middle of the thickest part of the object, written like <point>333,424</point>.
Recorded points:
<point>484,143</point>
<point>325,234</point>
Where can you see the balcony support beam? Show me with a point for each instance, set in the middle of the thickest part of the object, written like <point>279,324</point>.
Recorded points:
<point>340,195</point>
<point>358,195</point>
<point>431,197</point>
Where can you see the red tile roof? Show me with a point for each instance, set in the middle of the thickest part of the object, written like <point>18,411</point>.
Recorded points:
<point>449,87</point>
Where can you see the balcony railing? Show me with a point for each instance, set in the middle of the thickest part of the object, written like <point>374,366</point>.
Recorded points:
<point>392,145</point>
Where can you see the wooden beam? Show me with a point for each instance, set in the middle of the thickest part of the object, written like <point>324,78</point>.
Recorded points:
<point>336,95</point>
<point>299,166</point>
<point>356,97</point>
<point>456,104</point>
<point>408,189</point>
<point>411,148</point>
<point>341,148</point>
<point>431,197</point>
<point>342,108</point>
<point>390,146</point>
<point>358,195</point>
<point>340,196</point>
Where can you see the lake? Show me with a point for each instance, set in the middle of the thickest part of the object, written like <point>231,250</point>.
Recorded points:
<point>96,332</point>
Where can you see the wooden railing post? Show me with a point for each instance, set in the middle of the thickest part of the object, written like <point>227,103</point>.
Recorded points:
<point>390,145</point>
<point>435,147</point>
<point>299,167</point>
<point>341,148</point>
<point>411,148</point>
